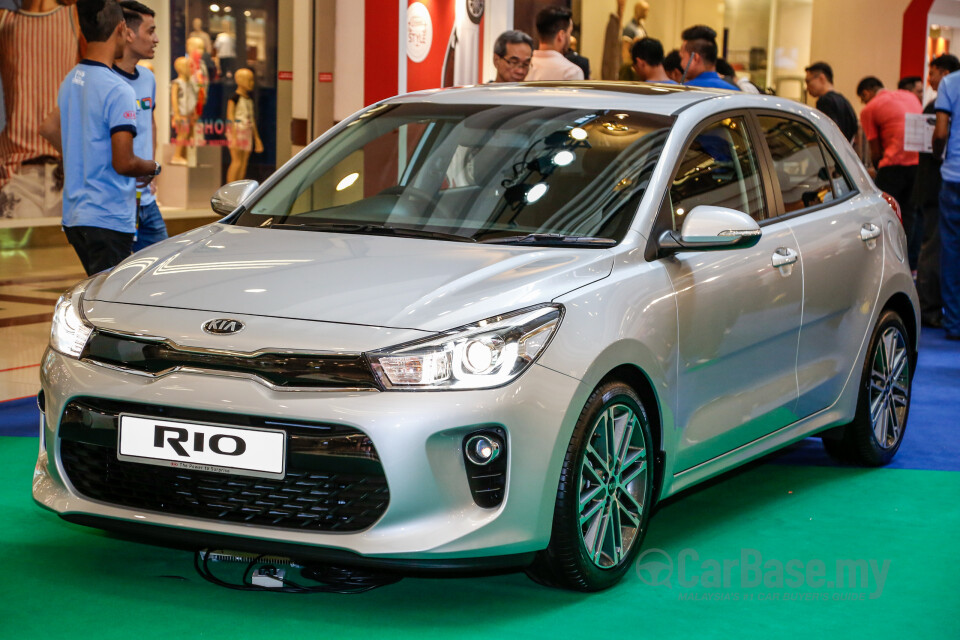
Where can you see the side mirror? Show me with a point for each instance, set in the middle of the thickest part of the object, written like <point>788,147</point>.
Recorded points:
<point>230,196</point>
<point>708,228</point>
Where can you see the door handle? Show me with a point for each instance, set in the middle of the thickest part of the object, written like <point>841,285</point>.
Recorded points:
<point>783,257</point>
<point>869,231</point>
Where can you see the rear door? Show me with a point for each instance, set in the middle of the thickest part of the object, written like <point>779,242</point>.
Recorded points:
<point>841,254</point>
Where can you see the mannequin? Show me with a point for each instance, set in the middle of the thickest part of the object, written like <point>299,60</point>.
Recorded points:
<point>242,134</point>
<point>635,29</point>
<point>225,48</point>
<point>31,179</point>
<point>183,109</point>
<point>198,70</point>
<point>198,32</point>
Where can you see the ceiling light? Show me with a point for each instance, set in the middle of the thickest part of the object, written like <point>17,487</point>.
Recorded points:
<point>347,181</point>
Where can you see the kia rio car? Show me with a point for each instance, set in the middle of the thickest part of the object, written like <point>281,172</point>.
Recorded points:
<point>487,327</point>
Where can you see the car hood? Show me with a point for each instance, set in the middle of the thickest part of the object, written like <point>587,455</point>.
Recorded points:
<point>358,279</point>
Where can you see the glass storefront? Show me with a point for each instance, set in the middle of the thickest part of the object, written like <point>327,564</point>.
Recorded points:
<point>223,92</point>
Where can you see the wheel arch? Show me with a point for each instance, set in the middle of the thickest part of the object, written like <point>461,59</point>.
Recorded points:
<point>637,379</point>
<point>903,306</point>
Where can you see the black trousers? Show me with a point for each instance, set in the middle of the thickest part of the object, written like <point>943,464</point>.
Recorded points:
<point>928,268</point>
<point>897,180</point>
<point>99,249</point>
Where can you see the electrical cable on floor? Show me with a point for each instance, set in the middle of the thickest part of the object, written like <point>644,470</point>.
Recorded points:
<point>332,579</point>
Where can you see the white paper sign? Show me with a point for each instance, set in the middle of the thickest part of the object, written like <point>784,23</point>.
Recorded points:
<point>918,132</point>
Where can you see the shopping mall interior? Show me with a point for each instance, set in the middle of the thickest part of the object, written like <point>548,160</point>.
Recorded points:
<point>713,561</point>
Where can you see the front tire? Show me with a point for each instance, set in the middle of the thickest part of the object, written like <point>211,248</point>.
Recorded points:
<point>883,404</point>
<point>605,494</point>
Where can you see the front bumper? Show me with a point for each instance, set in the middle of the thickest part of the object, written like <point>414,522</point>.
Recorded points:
<point>431,514</point>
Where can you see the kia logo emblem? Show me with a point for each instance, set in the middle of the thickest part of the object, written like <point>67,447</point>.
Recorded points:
<point>222,326</point>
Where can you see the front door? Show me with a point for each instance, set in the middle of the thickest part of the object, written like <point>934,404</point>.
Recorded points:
<point>739,315</point>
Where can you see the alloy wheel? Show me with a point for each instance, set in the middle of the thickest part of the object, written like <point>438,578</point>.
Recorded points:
<point>889,388</point>
<point>613,483</point>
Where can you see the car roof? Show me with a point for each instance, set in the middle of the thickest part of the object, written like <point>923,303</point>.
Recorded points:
<point>647,97</point>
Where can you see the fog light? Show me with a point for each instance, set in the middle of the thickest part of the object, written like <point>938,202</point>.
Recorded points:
<point>482,450</point>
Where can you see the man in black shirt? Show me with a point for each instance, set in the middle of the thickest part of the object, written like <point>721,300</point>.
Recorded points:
<point>820,85</point>
<point>926,197</point>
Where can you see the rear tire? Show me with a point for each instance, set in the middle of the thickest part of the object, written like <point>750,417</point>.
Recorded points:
<point>605,494</point>
<point>883,404</point>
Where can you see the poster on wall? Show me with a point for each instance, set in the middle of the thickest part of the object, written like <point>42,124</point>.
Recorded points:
<point>444,39</point>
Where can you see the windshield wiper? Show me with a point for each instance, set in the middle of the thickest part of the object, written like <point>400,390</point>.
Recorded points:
<point>553,239</point>
<point>372,229</point>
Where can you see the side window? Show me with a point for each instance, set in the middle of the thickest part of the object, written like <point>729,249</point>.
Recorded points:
<point>798,162</point>
<point>720,169</point>
<point>838,176</point>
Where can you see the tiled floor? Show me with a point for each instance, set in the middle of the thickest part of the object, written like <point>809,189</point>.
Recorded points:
<point>31,280</point>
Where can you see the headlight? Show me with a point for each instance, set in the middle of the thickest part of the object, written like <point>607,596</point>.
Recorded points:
<point>69,331</point>
<point>489,353</point>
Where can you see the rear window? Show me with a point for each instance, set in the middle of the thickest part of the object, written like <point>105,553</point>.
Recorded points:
<point>475,171</point>
<point>806,170</point>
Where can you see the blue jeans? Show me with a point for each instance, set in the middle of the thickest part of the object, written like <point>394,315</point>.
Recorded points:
<point>950,255</point>
<point>150,228</point>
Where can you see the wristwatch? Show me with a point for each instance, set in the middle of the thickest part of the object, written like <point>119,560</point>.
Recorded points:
<point>156,171</point>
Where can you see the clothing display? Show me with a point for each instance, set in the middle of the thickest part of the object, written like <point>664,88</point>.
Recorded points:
<point>225,45</point>
<point>240,133</point>
<point>37,50</point>
<point>187,95</point>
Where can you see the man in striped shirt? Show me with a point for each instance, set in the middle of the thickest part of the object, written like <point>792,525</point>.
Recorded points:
<point>39,44</point>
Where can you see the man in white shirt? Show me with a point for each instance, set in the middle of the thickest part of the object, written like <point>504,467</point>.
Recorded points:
<point>554,26</point>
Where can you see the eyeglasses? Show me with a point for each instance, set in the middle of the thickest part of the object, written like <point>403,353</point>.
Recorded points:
<point>516,62</point>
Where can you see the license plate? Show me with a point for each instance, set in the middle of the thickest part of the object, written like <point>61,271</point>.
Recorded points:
<point>202,447</point>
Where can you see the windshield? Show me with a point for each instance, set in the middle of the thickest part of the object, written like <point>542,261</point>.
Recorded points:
<point>480,173</point>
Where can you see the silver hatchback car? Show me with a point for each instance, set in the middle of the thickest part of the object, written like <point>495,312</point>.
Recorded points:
<point>488,327</point>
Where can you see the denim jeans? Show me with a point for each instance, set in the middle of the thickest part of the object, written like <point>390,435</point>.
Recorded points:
<point>950,255</point>
<point>150,228</point>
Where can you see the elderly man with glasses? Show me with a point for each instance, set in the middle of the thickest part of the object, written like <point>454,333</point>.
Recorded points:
<point>512,53</point>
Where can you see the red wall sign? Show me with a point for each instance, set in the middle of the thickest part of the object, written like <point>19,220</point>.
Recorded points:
<point>284,75</point>
<point>324,76</point>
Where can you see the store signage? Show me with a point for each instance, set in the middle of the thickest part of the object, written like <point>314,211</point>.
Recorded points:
<point>419,32</point>
<point>284,75</point>
<point>324,76</point>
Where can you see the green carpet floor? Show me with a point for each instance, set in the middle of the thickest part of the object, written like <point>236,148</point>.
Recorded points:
<point>66,581</point>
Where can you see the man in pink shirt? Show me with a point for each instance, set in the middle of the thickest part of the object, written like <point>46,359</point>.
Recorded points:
<point>554,25</point>
<point>883,120</point>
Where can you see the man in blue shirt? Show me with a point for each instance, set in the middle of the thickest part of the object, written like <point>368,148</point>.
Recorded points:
<point>98,115</point>
<point>698,55</point>
<point>647,54</point>
<point>946,134</point>
<point>141,40</point>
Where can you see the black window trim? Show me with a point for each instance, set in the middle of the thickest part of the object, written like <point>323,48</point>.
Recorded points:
<point>780,212</point>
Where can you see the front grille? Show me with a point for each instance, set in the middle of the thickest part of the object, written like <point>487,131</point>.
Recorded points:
<point>279,369</point>
<point>334,479</point>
